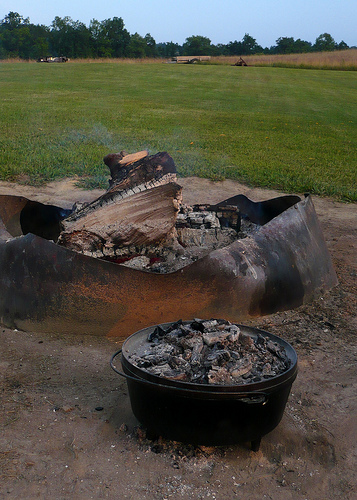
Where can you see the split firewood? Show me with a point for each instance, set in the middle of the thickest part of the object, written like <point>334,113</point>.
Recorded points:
<point>142,219</point>
<point>130,178</point>
<point>139,208</point>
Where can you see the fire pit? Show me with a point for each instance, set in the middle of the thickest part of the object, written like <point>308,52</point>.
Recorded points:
<point>203,412</point>
<point>65,270</point>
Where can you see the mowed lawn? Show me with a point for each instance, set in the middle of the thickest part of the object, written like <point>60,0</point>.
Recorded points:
<point>290,129</point>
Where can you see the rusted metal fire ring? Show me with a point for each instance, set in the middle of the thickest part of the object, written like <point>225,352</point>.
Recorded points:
<point>50,288</point>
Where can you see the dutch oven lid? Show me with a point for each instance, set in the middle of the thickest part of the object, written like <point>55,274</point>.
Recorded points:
<point>138,344</point>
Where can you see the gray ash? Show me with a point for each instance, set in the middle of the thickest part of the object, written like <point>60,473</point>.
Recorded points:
<point>211,352</point>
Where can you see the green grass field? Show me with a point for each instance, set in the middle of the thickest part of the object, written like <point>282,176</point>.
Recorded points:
<point>290,129</point>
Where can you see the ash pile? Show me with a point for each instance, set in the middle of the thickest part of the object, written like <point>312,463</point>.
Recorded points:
<point>141,222</point>
<point>211,352</point>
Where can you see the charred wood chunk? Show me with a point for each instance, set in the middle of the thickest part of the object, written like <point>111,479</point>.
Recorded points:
<point>218,375</point>
<point>141,219</point>
<point>217,357</point>
<point>131,174</point>
<point>213,337</point>
<point>137,169</point>
<point>198,325</point>
<point>246,340</point>
<point>241,367</point>
<point>156,334</point>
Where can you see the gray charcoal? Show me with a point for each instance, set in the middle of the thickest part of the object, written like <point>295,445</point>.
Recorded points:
<point>268,371</point>
<point>218,376</point>
<point>180,363</point>
<point>167,372</point>
<point>209,325</point>
<point>246,340</point>
<point>242,367</point>
<point>212,337</point>
<point>196,356</point>
<point>156,334</point>
<point>211,351</point>
<point>191,342</point>
<point>198,325</point>
<point>217,357</point>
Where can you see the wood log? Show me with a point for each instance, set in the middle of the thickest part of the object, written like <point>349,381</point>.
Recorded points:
<point>130,178</point>
<point>144,218</point>
<point>139,208</point>
<point>137,169</point>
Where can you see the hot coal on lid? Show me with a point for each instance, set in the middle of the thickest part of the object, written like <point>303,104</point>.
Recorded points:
<point>211,352</point>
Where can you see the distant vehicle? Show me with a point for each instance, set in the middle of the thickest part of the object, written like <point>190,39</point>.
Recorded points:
<point>190,59</point>
<point>51,59</point>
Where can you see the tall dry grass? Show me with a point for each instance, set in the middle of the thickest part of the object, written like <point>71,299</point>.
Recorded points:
<point>341,59</point>
<point>121,60</point>
<point>13,60</point>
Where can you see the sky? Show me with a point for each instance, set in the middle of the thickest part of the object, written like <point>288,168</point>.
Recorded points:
<point>221,21</point>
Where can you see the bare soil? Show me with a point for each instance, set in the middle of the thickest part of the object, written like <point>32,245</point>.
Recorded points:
<point>66,426</point>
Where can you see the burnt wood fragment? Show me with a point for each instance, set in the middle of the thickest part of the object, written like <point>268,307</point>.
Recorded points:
<point>133,170</point>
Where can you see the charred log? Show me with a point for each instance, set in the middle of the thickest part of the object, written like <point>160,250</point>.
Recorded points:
<point>137,169</point>
<point>139,208</point>
<point>141,219</point>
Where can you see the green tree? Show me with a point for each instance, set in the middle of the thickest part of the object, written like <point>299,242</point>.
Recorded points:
<point>342,46</point>
<point>150,50</point>
<point>119,38</point>
<point>14,35</point>
<point>70,38</point>
<point>197,46</point>
<point>61,40</point>
<point>249,45</point>
<point>324,43</point>
<point>137,46</point>
<point>235,48</point>
<point>169,49</point>
<point>302,46</point>
<point>285,45</point>
<point>39,35</point>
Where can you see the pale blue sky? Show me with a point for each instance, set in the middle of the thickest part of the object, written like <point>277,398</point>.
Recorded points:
<point>220,20</point>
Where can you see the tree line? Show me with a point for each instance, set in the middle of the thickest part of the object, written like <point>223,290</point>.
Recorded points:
<point>109,38</point>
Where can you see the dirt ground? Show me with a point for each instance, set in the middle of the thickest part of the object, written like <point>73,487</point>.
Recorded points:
<point>66,427</point>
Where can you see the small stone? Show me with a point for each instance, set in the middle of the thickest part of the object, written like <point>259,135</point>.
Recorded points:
<point>67,409</point>
<point>99,408</point>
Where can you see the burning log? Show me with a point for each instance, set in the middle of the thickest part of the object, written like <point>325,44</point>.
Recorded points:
<point>141,219</point>
<point>139,208</point>
<point>139,169</point>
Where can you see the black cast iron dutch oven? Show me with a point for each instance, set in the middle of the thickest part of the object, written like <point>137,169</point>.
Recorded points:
<point>205,414</point>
